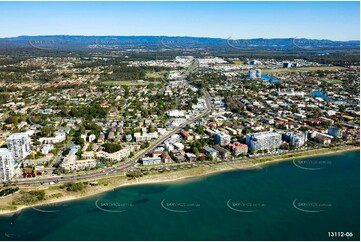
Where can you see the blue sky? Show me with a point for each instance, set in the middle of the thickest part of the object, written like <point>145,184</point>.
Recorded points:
<point>319,20</point>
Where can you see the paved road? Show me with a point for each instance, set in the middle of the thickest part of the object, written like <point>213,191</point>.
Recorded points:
<point>127,165</point>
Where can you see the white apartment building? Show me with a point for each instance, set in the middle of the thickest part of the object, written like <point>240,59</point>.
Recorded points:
<point>59,137</point>
<point>145,136</point>
<point>264,141</point>
<point>175,113</point>
<point>72,164</point>
<point>6,165</point>
<point>290,93</point>
<point>19,145</point>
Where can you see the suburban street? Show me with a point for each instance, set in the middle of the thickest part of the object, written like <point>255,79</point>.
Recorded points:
<point>133,161</point>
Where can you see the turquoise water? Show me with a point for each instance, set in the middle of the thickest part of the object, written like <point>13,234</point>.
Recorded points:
<point>321,94</point>
<point>293,200</point>
<point>269,78</point>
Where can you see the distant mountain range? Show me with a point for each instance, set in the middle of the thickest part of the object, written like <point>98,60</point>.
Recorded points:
<point>121,43</point>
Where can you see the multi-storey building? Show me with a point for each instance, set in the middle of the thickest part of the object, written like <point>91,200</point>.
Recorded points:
<point>210,151</point>
<point>151,160</point>
<point>334,131</point>
<point>19,145</point>
<point>145,136</point>
<point>258,73</point>
<point>296,139</point>
<point>252,74</point>
<point>224,154</point>
<point>6,165</point>
<point>222,138</point>
<point>71,163</point>
<point>264,141</point>
<point>238,148</point>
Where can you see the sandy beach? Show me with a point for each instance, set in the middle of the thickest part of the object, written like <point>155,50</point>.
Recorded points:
<point>109,183</point>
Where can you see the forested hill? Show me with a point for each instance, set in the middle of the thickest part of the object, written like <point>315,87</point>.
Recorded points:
<point>72,42</point>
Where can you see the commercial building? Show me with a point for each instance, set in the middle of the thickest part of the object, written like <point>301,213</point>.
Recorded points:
<point>19,145</point>
<point>6,165</point>
<point>175,113</point>
<point>290,64</point>
<point>258,73</point>
<point>254,74</point>
<point>222,138</point>
<point>255,62</point>
<point>286,64</point>
<point>263,141</point>
<point>151,160</point>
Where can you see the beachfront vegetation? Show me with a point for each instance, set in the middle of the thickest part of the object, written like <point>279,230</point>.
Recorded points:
<point>30,197</point>
<point>74,187</point>
<point>8,191</point>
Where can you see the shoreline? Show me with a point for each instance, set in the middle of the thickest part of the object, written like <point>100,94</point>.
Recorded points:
<point>174,176</point>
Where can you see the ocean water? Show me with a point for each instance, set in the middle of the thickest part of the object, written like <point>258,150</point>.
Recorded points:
<point>302,199</point>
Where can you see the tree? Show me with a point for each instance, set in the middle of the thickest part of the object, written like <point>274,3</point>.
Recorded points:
<point>195,150</point>
<point>200,130</point>
<point>13,120</point>
<point>111,147</point>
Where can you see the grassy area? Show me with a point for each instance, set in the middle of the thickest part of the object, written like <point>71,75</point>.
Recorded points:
<point>8,207</point>
<point>156,75</point>
<point>331,81</point>
<point>238,62</point>
<point>299,154</point>
<point>311,68</point>
<point>55,195</point>
<point>124,83</point>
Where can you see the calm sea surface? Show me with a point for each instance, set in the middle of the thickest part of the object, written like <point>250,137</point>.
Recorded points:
<point>302,199</point>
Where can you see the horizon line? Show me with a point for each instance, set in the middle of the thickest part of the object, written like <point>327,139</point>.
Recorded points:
<point>173,36</point>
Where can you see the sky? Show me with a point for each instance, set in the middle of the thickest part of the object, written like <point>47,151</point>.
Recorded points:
<point>238,20</point>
